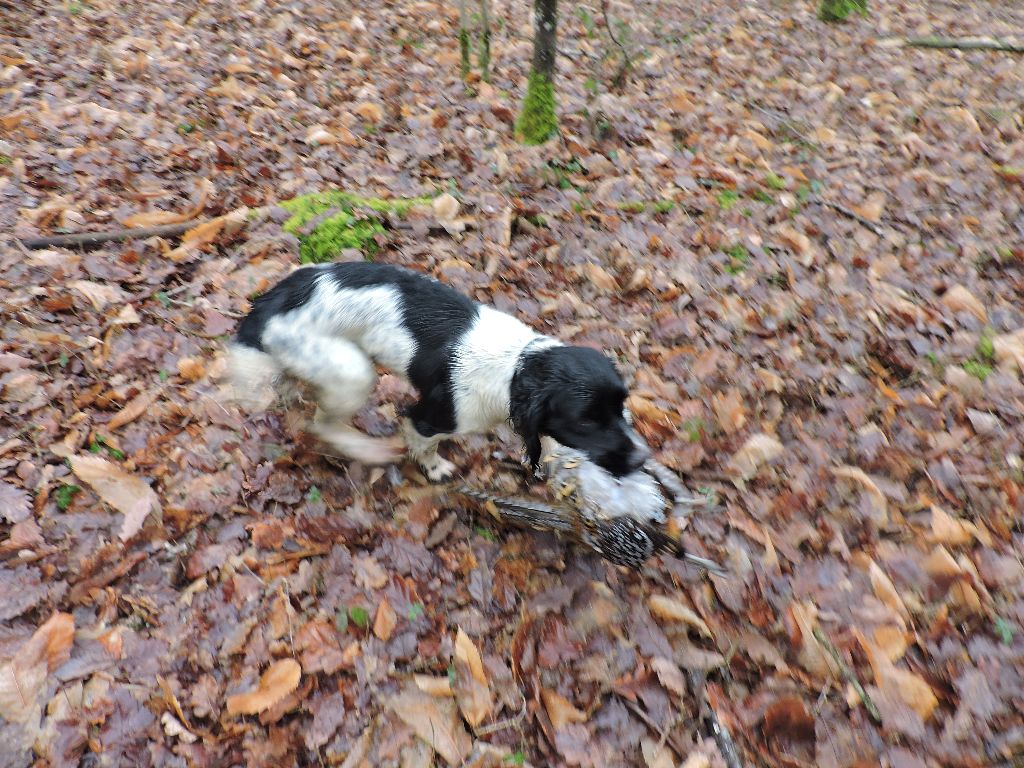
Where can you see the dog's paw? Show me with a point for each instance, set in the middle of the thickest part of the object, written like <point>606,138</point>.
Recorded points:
<point>355,445</point>
<point>438,470</point>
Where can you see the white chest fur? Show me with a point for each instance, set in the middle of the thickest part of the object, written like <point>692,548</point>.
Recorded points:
<point>483,366</point>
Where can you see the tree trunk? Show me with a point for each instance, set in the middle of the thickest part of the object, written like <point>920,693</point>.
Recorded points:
<point>537,121</point>
<point>484,57</point>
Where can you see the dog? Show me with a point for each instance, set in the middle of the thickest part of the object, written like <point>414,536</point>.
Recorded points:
<point>330,325</point>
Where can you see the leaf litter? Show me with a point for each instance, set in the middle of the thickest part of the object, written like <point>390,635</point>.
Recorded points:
<point>804,252</point>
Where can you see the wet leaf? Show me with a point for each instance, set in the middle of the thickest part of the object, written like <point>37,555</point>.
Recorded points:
<point>472,691</point>
<point>23,676</point>
<point>560,710</point>
<point>435,720</point>
<point>757,451</point>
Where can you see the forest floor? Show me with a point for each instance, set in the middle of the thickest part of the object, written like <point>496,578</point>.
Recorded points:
<point>805,245</point>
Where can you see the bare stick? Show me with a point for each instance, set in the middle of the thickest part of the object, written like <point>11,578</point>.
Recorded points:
<point>673,742</point>
<point>726,746</point>
<point>627,63</point>
<point>96,238</point>
<point>866,223</point>
<point>851,678</point>
<point>964,44</point>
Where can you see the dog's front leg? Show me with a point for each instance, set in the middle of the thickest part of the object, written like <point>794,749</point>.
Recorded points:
<point>424,451</point>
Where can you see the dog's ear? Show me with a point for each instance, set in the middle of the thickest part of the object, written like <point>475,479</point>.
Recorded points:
<point>529,422</point>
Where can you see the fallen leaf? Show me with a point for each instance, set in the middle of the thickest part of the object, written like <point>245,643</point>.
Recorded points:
<point>280,679</point>
<point>317,134</point>
<point>1008,350</point>
<point>15,506</point>
<point>600,278</point>
<point>446,207</point>
<point>669,675</point>
<point>200,235</point>
<point>670,609</point>
<point>98,294</point>
<point>128,494</point>
<point>901,683</point>
<point>877,504</point>
<point>729,410</point>
<point>560,711</point>
<point>134,408</point>
<point>655,755</point>
<point>947,529</point>
<point>811,655</point>
<point>873,206</point>
<point>368,573</point>
<point>370,112</point>
<point>472,691</point>
<point>886,591</point>
<point>757,451</point>
<point>154,218</point>
<point>434,686</point>
<point>385,621</point>
<point>959,299</point>
<point>788,717</point>
<point>191,368</point>
<point>23,676</point>
<point>436,721</point>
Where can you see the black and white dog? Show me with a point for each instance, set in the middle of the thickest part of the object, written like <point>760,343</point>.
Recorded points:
<point>474,367</point>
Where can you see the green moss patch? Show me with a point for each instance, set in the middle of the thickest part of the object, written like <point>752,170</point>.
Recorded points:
<point>537,122</point>
<point>328,222</point>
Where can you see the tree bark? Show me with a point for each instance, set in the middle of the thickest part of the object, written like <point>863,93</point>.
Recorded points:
<point>545,45</point>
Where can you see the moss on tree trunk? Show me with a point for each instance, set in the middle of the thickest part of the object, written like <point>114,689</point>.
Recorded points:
<point>537,121</point>
<point>839,10</point>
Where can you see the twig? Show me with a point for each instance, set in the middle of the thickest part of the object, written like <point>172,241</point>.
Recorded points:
<point>726,746</point>
<point>848,674</point>
<point>96,238</point>
<point>964,44</point>
<point>627,63</point>
<point>673,742</point>
<point>867,223</point>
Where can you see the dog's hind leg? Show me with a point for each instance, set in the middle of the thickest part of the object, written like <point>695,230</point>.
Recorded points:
<point>343,377</point>
<point>422,438</point>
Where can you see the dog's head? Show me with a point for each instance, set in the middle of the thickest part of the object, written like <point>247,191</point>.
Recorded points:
<point>575,395</point>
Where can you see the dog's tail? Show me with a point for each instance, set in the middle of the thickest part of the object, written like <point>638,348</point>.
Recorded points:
<point>250,377</point>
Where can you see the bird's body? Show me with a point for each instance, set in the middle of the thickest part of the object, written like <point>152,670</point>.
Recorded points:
<point>622,519</point>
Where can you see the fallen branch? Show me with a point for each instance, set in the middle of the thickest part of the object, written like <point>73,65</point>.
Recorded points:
<point>96,238</point>
<point>726,746</point>
<point>627,62</point>
<point>848,674</point>
<point>964,44</point>
<point>866,223</point>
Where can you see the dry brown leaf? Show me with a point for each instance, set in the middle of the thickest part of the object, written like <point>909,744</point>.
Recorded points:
<point>370,112</point>
<point>436,721</point>
<point>446,207</point>
<point>128,494</point>
<point>560,711</point>
<point>910,688</point>
<point>191,368</point>
<point>133,408</point>
<point>891,641</point>
<point>435,686</point>
<point>368,573</point>
<point>941,566</point>
<point>154,218</point>
<point>811,655</point>
<point>1008,349</point>
<point>669,675</point>
<point>472,691</point>
<point>947,529</point>
<point>796,241</point>
<point>197,237</point>
<point>599,277</point>
<point>385,621</point>
<point>885,590</point>
<point>656,755</point>
<point>729,410</point>
<point>317,134</point>
<point>959,299</point>
<point>757,451</point>
<point>876,499</point>
<point>280,679</point>
<point>98,294</point>
<point>22,677</point>
<point>873,206</point>
<point>670,609</point>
